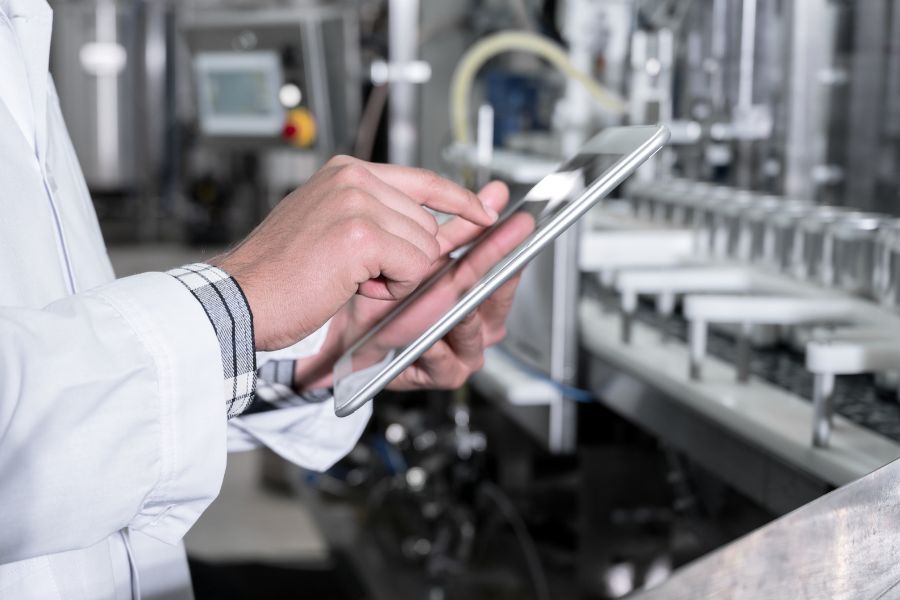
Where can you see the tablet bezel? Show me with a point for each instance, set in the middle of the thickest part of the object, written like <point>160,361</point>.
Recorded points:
<point>635,144</point>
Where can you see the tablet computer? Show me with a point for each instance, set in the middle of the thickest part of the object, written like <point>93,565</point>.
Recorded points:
<point>555,203</point>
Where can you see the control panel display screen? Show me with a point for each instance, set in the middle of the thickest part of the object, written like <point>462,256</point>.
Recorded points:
<point>237,93</point>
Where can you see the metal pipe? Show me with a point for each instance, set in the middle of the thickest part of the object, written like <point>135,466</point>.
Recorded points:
<point>108,150</point>
<point>812,53</point>
<point>748,51</point>
<point>403,34</point>
<point>823,389</point>
<point>697,343</point>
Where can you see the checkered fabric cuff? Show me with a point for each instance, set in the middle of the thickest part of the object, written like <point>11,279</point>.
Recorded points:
<point>278,371</point>
<point>275,389</point>
<point>228,311</point>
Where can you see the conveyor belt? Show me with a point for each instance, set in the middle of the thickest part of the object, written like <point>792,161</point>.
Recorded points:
<point>856,397</point>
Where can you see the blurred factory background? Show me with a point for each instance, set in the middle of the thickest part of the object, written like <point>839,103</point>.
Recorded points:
<point>717,346</point>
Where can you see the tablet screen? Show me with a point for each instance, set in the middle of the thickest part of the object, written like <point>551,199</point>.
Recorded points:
<point>473,271</point>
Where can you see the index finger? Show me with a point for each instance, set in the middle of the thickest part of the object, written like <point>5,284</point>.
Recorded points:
<point>433,191</point>
<point>457,232</point>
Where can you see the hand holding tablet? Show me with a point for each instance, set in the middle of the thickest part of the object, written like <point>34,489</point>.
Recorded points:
<point>465,343</point>
<point>481,268</point>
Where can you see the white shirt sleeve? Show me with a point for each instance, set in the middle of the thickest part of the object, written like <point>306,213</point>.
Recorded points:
<point>111,416</point>
<point>308,435</point>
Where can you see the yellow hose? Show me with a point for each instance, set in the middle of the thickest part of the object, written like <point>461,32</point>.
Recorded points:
<point>484,50</point>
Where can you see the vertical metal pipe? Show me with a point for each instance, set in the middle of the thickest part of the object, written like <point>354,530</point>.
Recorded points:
<point>665,306</point>
<point>744,174</point>
<point>627,318</point>
<point>484,143</point>
<point>867,101</point>
<point>697,344</point>
<point>314,46</point>
<point>403,33</point>
<point>823,388</point>
<point>108,150</point>
<point>748,52</point>
<point>718,53</point>
<point>812,48</point>
<point>627,308</point>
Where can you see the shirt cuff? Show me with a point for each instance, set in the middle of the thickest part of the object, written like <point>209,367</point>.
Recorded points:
<point>229,313</point>
<point>275,389</point>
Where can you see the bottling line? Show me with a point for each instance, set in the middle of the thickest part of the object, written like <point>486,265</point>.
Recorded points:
<point>738,301</point>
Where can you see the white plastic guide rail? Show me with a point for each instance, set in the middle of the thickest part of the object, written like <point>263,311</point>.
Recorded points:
<point>606,250</point>
<point>747,311</point>
<point>666,284</point>
<point>827,359</point>
<point>824,359</point>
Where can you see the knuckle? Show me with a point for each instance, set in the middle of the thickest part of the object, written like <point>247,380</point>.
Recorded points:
<point>430,178</point>
<point>339,160</point>
<point>431,224</point>
<point>439,353</point>
<point>358,230</point>
<point>354,174</point>
<point>354,200</point>
<point>421,264</point>
<point>432,249</point>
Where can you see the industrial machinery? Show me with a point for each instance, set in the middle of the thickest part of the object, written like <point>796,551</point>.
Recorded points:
<point>276,92</point>
<point>113,70</point>
<point>275,75</point>
<point>721,346</point>
<point>203,114</point>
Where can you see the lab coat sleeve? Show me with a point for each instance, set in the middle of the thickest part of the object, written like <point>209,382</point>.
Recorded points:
<point>111,416</point>
<point>306,434</point>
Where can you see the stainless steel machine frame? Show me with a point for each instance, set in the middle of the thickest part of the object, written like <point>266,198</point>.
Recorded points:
<point>111,63</point>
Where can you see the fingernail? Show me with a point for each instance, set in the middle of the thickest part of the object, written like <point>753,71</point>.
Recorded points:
<point>491,213</point>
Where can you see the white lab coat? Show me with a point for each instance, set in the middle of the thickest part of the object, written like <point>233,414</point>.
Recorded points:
<point>113,433</point>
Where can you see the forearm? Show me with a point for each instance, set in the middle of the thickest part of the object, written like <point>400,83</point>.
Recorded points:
<point>111,415</point>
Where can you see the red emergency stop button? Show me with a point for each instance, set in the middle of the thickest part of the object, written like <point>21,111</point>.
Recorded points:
<point>299,127</point>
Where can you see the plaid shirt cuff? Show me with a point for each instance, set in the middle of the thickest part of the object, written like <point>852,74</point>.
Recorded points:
<point>228,311</point>
<point>275,389</point>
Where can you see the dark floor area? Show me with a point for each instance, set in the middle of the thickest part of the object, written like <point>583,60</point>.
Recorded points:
<point>253,581</point>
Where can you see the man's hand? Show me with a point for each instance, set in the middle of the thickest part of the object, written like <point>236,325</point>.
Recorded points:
<point>354,228</point>
<point>449,362</point>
